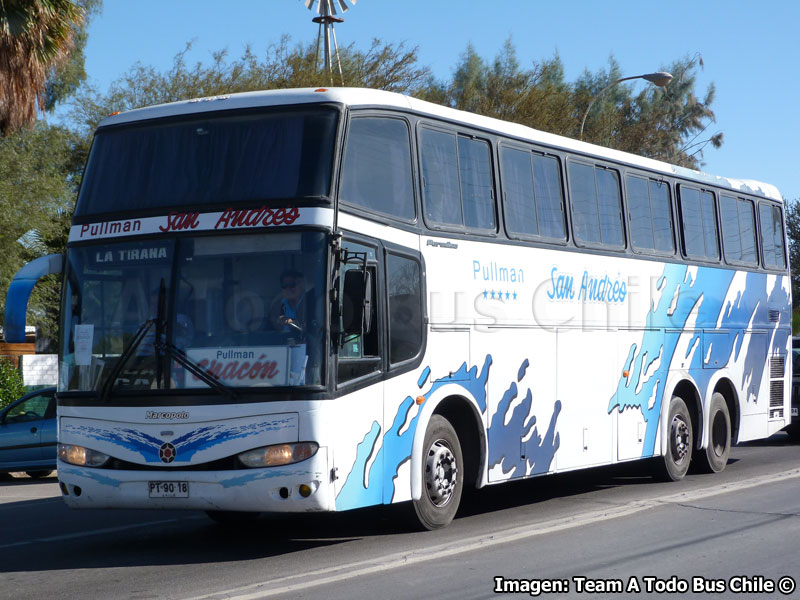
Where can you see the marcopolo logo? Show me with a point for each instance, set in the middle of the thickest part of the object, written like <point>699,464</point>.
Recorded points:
<point>154,414</point>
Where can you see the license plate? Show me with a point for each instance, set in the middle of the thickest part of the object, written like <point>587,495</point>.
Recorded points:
<point>169,489</point>
<point>794,411</point>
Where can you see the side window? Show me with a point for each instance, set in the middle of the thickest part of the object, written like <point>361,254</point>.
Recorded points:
<point>583,196</point>
<point>534,204</point>
<point>649,215</point>
<point>359,355</point>
<point>32,409</point>
<point>699,222</point>
<point>440,177</point>
<point>376,172</point>
<point>737,217</point>
<point>404,284</point>
<point>661,206</point>
<point>549,196</point>
<point>772,236</point>
<point>457,180</point>
<point>475,168</point>
<point>596,205</point>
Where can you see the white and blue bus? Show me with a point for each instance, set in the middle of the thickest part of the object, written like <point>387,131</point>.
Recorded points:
<point>320,300</point>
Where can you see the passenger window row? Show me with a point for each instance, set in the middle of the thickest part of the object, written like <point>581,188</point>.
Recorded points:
<point>458,182</point>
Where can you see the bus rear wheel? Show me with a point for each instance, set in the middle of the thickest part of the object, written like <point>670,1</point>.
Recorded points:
<point>442,475</point>
<point>678,455</point>
<point>715,456</point>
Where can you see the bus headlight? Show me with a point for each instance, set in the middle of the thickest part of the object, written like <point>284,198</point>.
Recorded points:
<point>278,454</point>
<point>83,457</point>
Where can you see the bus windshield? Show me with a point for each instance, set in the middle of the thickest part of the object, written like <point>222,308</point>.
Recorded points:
<point>246,311</point>
<point>253,157</point>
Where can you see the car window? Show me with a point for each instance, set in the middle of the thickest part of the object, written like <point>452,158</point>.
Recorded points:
<point>36,407</point>
<point>796,362</point>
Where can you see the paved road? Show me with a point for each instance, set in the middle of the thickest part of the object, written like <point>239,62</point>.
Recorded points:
<point>607,525</point>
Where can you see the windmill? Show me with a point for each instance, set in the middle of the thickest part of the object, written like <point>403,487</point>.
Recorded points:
<point>326,9</point>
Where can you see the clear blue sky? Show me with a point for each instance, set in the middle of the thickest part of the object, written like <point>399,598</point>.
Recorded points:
<point>751,50</point>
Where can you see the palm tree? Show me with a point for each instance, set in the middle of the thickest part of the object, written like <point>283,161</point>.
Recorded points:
<point>36,37</point>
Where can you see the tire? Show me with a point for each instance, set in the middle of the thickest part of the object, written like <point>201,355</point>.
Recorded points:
<point>714,457</point>
<point>442,475</point>
<point>680,439</point>
<point>38,474</point>
<point>794,432</point>
<point>231,517</point>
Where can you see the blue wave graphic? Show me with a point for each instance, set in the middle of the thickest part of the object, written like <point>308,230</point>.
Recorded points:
<point>682,294</point>
<point>359,490</point>
<point>506,432</point>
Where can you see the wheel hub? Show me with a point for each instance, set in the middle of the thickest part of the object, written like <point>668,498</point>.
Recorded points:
<point>679,439</point>
<point>719,434</point>
<point>441,473</point>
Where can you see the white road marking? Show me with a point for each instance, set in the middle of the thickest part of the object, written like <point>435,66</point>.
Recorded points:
<point>293,583</point>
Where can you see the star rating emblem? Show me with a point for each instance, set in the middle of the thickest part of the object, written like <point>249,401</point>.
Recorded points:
<point>500,294</point>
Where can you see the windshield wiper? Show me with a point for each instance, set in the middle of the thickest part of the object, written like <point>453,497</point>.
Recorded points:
<point>171,350</point>
<point>196,370</point>
<point>127,352</point>
<point>161,345</point>
<point>140,334</point>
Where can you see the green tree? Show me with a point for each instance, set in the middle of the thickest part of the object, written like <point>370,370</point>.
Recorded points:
<point>36,40</point>
<point>385,66</point>
<point>64,81</point>
<point>11,384</point>
<point>39,171</point>
<point>538,97</point>
<point>793,233</point>
<point>666,124</point>
<point>41,63</point>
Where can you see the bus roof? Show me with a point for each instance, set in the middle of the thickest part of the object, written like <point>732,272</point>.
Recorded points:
<point>360,97</point>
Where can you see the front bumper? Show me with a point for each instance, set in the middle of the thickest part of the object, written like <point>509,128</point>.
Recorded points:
<point>273,489</point>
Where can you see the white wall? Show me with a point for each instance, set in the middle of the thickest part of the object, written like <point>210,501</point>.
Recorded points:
<point>40,369</point>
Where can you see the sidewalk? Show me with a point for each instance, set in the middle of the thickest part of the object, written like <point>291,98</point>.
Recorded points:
<point>22,488</point>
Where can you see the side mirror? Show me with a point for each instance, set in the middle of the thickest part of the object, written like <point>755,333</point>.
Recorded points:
<point>357,302</point>
<point>19,291</point>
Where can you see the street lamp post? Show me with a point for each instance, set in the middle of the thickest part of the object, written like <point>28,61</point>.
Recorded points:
<point>660,79</point>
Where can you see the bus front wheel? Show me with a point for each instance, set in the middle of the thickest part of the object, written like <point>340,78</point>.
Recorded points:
<point>678,454</point>
<point>715,456</point>
<point>442,475</point>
